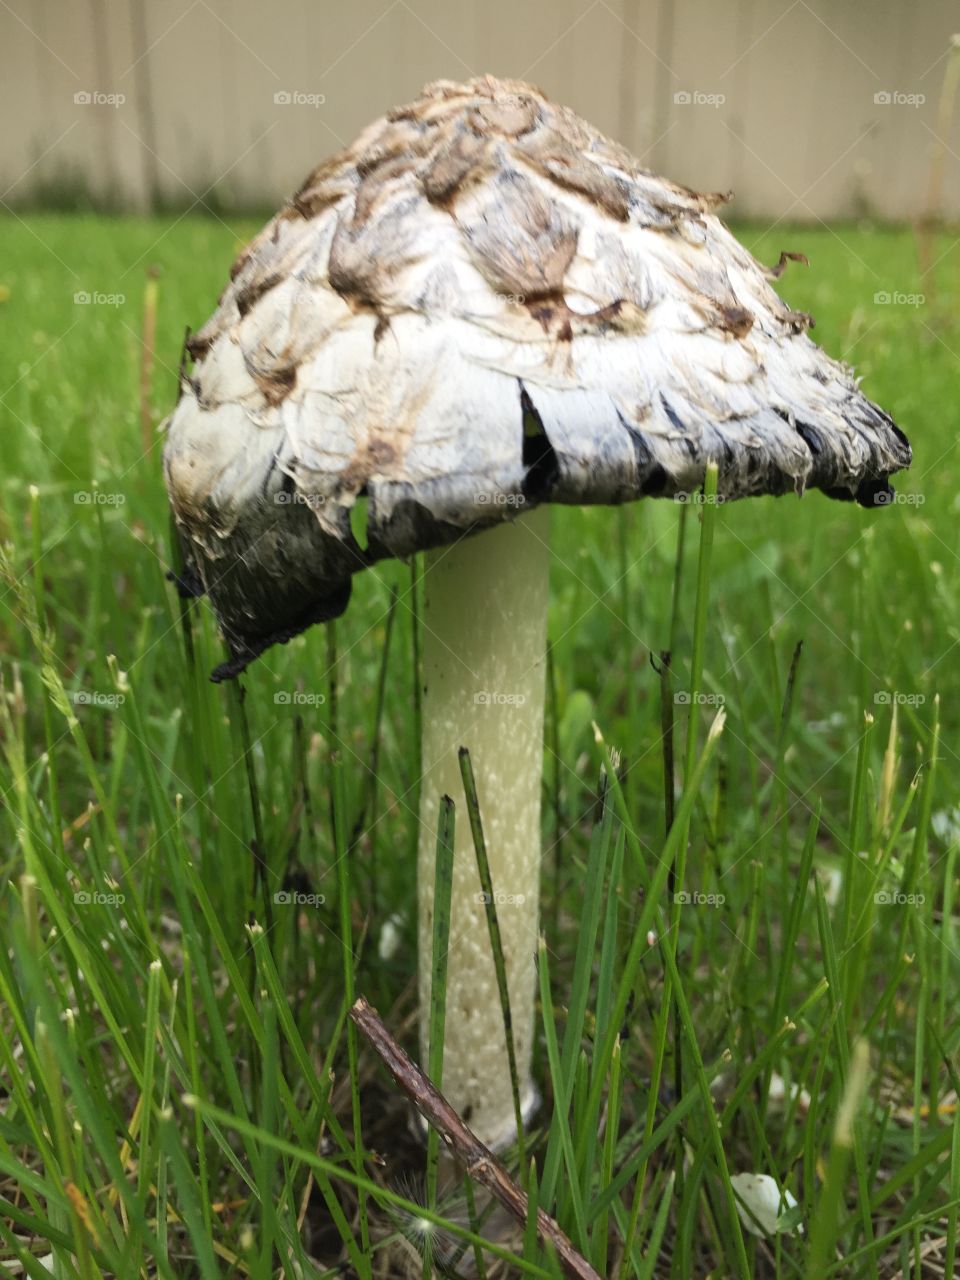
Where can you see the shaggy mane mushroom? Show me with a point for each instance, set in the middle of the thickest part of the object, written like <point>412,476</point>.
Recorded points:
<point>482,307</point>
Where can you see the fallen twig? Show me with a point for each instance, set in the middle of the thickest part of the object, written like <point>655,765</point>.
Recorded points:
<point>478,1160</point>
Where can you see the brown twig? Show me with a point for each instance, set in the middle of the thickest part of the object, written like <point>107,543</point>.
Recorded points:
<point>479,1161</point>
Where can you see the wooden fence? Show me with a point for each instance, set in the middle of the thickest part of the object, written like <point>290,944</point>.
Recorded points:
<point>806,108</point>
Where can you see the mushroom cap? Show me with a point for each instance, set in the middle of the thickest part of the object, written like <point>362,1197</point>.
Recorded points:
<point>481,305</point>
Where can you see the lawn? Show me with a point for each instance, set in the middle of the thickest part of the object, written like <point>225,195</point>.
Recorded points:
<point>175,1057</point>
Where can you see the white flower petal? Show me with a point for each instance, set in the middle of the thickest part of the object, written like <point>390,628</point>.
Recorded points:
<point>759,1203</point>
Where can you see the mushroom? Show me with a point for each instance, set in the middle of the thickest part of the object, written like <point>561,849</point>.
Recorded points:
<point>482,307</point>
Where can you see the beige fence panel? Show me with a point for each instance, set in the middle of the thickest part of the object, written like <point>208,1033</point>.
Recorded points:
<point>196,101</point>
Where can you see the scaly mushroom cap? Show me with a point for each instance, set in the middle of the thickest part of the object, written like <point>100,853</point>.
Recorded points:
<point>482,305</point>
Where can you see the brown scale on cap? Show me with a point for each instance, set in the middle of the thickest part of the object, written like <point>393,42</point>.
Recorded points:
<point>475,250</point>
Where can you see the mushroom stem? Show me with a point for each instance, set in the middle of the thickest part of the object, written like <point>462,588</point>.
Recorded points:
<point>485,619</point>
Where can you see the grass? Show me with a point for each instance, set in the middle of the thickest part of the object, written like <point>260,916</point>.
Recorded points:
<point>196,880</point>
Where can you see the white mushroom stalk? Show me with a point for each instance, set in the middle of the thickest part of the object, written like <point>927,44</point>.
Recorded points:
<point>483,306</point>
<point>484,649</point>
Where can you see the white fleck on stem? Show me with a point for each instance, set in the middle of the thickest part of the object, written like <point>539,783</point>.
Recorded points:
<point>484,655</point>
